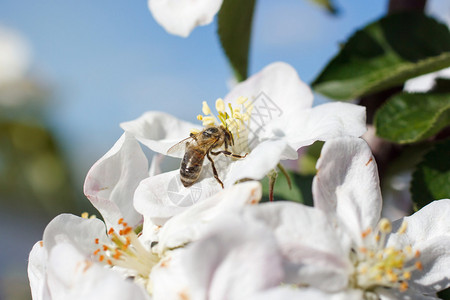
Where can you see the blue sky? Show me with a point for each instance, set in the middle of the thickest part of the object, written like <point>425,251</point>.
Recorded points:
<point>109,61</point>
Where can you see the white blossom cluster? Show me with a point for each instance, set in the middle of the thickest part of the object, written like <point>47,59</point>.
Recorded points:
<point>160,240</point>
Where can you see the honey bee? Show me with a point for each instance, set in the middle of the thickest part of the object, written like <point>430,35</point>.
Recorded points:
<point>199,145</point>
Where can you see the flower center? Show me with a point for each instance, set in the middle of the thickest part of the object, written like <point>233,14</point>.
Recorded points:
<point>236,120</point>
<point>126,251</point>
<point>377,265</point>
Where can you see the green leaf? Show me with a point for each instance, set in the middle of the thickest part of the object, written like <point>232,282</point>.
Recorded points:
<point>431,180</point>
<point>308,161</point>
<point>300,192</point>
<point>385,54</point>
<point>327,4</point>
<point>407,118</point>
<point>234,29</point>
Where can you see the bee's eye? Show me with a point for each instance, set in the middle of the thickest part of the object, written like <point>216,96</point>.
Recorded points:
<point>210,131</point>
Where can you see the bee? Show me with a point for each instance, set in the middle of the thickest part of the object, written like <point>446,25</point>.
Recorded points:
<point>199,145</point>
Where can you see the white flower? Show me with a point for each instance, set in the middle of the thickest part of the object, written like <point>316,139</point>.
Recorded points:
<point>14,56</point>
<point>180,17</point>
<point>273,118</point>
<point>233,261</point>
<point>63,264</point>
<point>342,245</point>
<point>77,255</point>
<point>112,180</point>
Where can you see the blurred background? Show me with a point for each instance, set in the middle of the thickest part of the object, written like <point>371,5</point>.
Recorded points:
<point>71,71</point>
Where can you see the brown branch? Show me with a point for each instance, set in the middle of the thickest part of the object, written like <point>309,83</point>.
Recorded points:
<point>406,5</point>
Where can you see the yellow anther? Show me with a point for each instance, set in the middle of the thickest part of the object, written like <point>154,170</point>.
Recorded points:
<point>403,227</point>
<point>419,265</point>
<point>390,250</point>
<point>207,121</point>
<point>241,100</point>
<point>237,115</point>
<point>407,275</point>
<point>366,232</point>
<point>403,286</point>
<point>205,109</point>
<point>200,117</point>
<point>85,215</point>
<point>194,131</point>
<point>392,276</point>
<point>220,105</point>
<point>385,225</point>
<point>248,107</point>
<point>93,217</point>
<point>408,249</point>
<point>417,254</point>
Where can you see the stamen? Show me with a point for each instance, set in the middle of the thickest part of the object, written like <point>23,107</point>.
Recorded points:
<point>236,120</point>
<point>378,265</point>
<point>241,100</point>
<point>403,228</point>
<point>194,131</point>
<point>205,108</point>
<point>385,226</point>
<point>220,106</point>
<point>126,251</point>
<point>207,121</point>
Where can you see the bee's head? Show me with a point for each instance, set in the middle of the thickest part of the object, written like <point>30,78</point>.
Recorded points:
<point>210,132</point>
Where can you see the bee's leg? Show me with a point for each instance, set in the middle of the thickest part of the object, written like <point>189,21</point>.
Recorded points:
<point>216,176</point>
<point>228,153</point>
<point>192,135</point>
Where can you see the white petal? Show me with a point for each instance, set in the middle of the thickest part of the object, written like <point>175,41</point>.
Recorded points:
<point>190,224</point>
<point>80,233</point>
<point>37,269</point>
<point>394,294</point>
<point>72,276</point>
<point>159,131</point>
<point>112,180</point>
<point>346,186</point>
<point>180,17</point>
<point>275,91</point>
<point>315,254</point>
<point>162,196</point>
<point>260,161</point>
<point>428,231</point>
<point>425,82</point>
<point>325,122</point>
<point>293,293</point>
<point>234,261</point>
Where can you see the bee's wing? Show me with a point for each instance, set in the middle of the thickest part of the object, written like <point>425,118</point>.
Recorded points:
<point>179,147</point>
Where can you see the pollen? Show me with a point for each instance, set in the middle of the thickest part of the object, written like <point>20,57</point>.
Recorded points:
<point>385,226</point>
<point>85,215</point>
<point>235,118</point>
<point>378,265</point>
<point>195,130</point>
<point>124,250</point>
<point>220,105</point>
<point>205,108</point>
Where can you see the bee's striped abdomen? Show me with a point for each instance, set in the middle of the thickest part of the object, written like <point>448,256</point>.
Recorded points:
<point>191,166</point>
